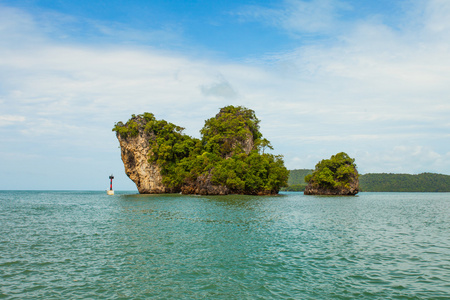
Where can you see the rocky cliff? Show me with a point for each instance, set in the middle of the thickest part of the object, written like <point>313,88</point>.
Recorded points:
<point>159,158</point>
<point>135,149</point>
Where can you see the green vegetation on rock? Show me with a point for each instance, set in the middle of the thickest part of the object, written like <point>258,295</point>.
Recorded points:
<point>229,131</point>
<point>335,172</point>
<point>230,153</point>
<point>337,175</point>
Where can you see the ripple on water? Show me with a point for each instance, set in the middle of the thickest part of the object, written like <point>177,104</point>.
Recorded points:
<point>78,245</point>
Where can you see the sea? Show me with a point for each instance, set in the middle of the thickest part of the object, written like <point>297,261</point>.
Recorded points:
<point>88,245</point>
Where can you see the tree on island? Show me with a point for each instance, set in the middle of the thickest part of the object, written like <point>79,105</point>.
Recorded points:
<point>334,176</point>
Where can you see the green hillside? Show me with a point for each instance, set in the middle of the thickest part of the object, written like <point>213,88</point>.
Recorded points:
<point>296,180</point>
<point>425,182</point>
<point>383,182</point>
<point>298,176</point>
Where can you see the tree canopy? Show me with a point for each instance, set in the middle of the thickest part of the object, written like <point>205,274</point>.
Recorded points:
<point>334,173</point>
<point>424,182</point>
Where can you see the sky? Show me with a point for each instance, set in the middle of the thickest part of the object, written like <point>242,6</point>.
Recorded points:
<point>370,78</point>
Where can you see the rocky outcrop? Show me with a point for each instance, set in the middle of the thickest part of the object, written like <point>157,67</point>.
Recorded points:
<point>159,158</point>
<point>135,153</point>
<point>334,176</point>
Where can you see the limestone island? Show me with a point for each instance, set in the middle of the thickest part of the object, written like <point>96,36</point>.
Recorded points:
<point>229,158</point>
<point>334,176</point>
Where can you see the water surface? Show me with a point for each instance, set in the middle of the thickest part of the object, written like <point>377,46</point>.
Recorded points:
<point>78,245</point>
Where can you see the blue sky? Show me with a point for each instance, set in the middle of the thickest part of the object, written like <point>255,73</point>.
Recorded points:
<point>370,78</point>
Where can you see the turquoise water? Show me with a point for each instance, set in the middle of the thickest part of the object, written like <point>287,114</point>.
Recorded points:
<point>87,245</point>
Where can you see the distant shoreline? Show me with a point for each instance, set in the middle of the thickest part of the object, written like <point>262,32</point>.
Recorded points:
<point>383,182</point>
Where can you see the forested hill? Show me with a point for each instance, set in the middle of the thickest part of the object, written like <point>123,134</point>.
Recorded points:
<point>383,182</point>
<point>296,180</point>
<point>298,176</point>
<point>425,182</point>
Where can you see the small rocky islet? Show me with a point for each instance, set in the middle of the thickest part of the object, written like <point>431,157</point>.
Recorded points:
<point>334,176</point>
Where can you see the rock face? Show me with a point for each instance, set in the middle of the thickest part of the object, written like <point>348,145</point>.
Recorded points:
<point>351,190</point>
<point>134,152</point>
<point>203,186</point>
<point>334,176</point>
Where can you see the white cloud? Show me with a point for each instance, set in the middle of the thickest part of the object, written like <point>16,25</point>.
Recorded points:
<point>436,14</point>
<point>10,119</point>
<point>408,159</point>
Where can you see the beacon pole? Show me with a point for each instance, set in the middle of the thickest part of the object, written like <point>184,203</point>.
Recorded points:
<point>110,185</point>
<point>111,191</point>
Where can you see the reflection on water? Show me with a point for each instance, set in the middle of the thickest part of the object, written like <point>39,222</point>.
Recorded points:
<point>89,245</point>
